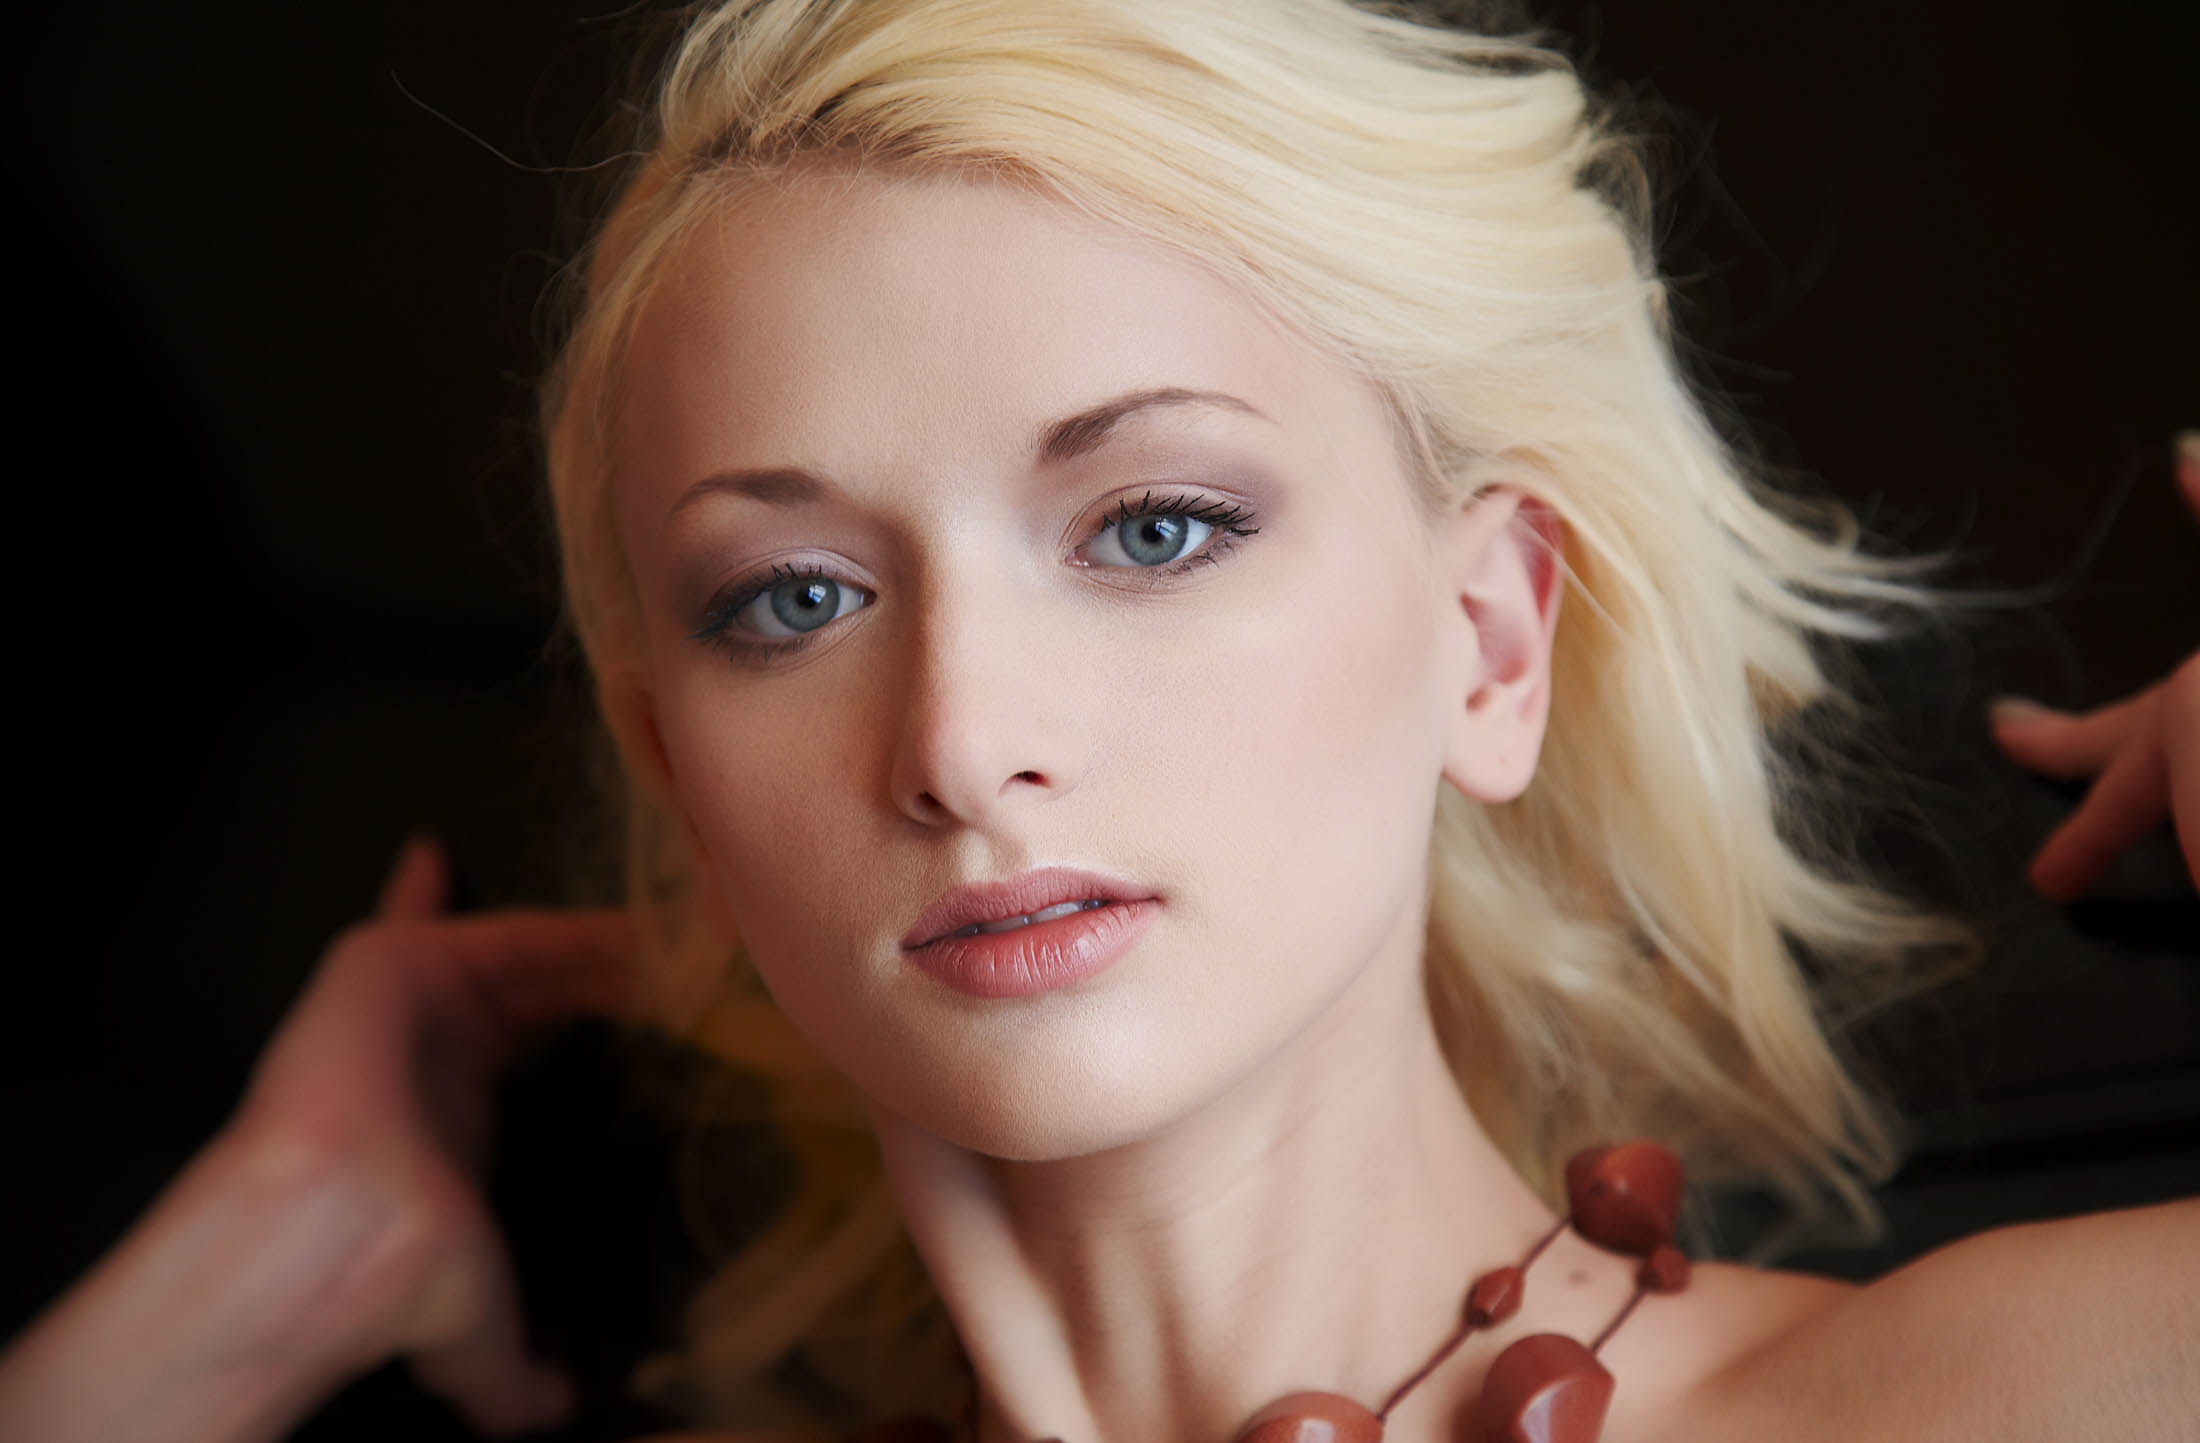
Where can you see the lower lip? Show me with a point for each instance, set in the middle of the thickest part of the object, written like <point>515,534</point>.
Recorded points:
<point>1039,957</point>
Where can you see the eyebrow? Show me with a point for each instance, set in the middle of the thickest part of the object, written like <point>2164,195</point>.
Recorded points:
<point>1055,442</point>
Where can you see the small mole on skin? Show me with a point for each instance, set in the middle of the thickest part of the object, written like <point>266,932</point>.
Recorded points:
<point>1577,1279</point>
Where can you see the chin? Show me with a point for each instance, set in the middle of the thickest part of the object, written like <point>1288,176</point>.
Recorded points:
<point>1043,1108</point>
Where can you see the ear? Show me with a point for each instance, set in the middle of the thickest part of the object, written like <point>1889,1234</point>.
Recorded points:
<point>1503,567</point>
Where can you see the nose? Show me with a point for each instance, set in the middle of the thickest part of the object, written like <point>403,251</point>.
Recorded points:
<point>991,720</point>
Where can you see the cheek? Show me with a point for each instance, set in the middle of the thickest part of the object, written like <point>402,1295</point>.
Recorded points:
<point>1314,834</point>
<point>767,796</point>
<point>776,803</point>
<point>1329,703</point>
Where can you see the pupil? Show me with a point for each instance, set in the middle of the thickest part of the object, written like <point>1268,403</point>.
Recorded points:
<point>809,605</point>
<point>1164,535</point>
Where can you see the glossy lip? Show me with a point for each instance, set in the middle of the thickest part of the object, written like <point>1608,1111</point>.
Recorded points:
<point>998,901</point>
<point>1042,957</point>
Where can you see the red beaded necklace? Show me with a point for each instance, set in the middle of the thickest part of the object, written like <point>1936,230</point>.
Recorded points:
<point>1542,1389</point>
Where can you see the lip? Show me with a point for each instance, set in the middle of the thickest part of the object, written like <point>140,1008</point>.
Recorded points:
<point>1042,957</point>
<point>998,901</point>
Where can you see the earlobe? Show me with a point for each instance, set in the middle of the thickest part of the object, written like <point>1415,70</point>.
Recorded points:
<point>1506,574</point>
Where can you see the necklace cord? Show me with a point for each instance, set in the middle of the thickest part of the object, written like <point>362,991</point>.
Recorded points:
<point>1613,1326</point>
<point>1622,1199</point>
<point>1450,1345</point>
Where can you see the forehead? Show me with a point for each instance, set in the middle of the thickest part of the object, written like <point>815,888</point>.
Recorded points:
<point>869,323</point>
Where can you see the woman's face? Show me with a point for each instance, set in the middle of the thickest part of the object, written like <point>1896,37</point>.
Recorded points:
<point>1004,675</point>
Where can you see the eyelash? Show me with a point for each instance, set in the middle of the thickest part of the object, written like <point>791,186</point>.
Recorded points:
<point>1228,520</point>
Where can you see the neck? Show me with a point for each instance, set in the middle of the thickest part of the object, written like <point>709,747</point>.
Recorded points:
<point>1315,1227</point>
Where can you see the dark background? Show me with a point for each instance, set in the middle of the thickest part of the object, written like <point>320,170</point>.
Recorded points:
<point>281,583</point>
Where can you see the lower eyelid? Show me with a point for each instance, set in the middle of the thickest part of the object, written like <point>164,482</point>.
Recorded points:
<point>719,629</point>
<point>1218,544</point>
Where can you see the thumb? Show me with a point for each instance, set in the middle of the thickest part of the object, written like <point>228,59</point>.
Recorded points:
<point>469,1344</point>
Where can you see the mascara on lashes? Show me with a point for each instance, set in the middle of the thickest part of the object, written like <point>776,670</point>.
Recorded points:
<point>1227,520</point>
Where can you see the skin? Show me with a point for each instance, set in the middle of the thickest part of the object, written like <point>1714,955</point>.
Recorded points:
<point>1233,1165</point>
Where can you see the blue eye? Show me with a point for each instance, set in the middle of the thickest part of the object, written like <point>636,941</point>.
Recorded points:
<point>1152,534</point>
<point>801,604</point>
<point>767,618</point>
<point>786,604</point>
<point>1156,540</point>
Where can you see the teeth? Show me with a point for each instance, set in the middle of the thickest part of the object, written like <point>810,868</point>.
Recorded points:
<point>1044,914</point>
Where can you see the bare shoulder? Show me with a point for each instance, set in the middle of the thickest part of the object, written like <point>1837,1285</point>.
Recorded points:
<point>2081,1329</point>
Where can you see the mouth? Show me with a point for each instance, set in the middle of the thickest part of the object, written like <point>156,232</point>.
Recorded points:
<point>1029,900</point>
<point>1044,914</point>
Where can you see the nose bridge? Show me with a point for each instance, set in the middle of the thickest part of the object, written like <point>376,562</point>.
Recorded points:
<point>983,717</point>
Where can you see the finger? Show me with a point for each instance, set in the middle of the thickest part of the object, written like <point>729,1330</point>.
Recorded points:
<point>468,1344</point>
<point>2188,468</point>
<point>531,968</point>
<point>2062,745</point>
<point>2128,801</point>
<point>2180,728</point>
<point>419,882</point>
<point>487,982</point>
<point>493,982</point>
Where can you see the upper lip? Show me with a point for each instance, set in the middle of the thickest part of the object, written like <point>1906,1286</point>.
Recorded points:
<point>998,901</point>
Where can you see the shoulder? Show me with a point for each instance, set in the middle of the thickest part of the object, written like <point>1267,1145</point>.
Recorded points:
<point>2086,1328</point>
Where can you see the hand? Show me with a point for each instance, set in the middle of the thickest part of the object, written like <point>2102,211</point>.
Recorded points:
<point>337,1221</point>
<point>375,1100</point>
<point>2143,752</point>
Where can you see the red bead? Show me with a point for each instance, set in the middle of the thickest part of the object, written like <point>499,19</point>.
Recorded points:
<point>1312,1418</point>
<point>1494,1297</point>
<point>1625,1198</point>
<point>1664,1271</point>
<point>1544,1389</point>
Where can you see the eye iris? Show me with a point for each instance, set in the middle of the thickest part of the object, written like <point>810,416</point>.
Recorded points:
<point>806,603</point>
<point>1163,534</point>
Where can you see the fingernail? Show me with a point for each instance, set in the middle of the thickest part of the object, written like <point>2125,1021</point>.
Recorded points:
<point>2013,710</point>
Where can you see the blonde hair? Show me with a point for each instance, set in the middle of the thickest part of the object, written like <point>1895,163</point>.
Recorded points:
<point>1619,952</point>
